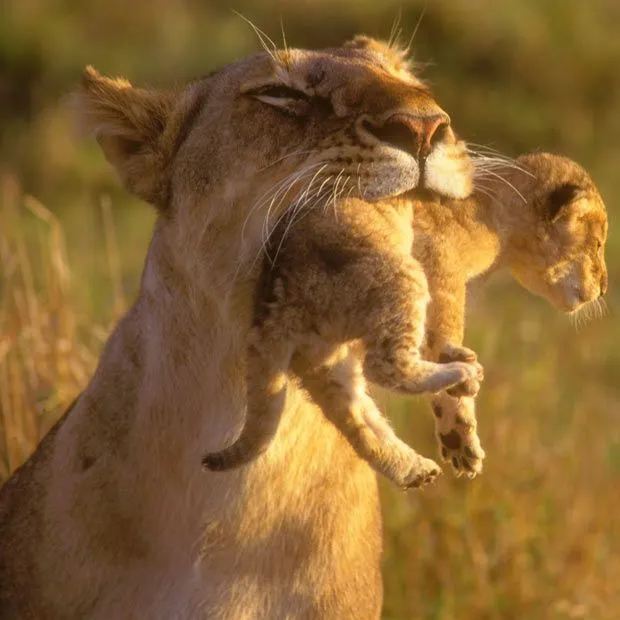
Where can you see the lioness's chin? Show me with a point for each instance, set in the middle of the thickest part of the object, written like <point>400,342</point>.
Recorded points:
<point>392,173</point>
<point>449,172</point>
<point>448,182</point>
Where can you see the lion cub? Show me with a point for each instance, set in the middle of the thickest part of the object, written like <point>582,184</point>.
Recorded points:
<point>542,218</point>
<point>341,298</point>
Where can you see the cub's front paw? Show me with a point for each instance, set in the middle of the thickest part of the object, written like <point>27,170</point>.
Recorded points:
<point>423,471</point>
<point>471,386</point>
<point>453,353</point>
<point>455,426</point>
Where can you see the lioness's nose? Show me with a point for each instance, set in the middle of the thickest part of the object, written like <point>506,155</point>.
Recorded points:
<point>603,284</point>
<point>414,134</point>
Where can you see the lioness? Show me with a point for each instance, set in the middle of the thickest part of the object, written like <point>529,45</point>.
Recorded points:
<point>542,218</point>
<point>113,517</point>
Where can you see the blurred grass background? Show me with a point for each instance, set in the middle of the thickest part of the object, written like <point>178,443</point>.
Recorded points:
<point>538,535</point>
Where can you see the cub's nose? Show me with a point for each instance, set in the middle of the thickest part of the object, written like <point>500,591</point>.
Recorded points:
<point>603,285</point>
<point>415,135</point>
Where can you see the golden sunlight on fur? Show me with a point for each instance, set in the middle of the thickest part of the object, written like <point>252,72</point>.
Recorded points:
<point>341,274</point>
<point>113,516</point>
<point>318,293</point>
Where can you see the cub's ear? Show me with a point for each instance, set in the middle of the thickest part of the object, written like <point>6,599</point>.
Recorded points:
<point>129,124</point>
<point>560,199</point>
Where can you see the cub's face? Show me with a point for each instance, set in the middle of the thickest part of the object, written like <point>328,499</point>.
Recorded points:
<point>567,261</point>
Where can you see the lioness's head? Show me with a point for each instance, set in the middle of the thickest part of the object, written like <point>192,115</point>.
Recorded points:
<point>563,258</point>
<point>279,128</point>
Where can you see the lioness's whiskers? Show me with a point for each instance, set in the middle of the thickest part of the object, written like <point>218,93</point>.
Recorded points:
<point>294,217</point>
<point>594,309</point>
<point>335,189</point>
<point>267,196</point>
<point>396,30</point>
<point>483,162</point>
<point>487,192</point>
<point>485,148</point>
<point>341,192</point>
<point>415,30</point>
<point>262,36</point>
<point>606,308</point>
<point>291,154</point>
<point>507,183</point>
<point>327,179</point>
<point>281,194</point>
<point>270,195</point>
<point>307,190</point>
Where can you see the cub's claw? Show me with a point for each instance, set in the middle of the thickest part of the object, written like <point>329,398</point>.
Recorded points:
<point>471,386</point>
<point>423,472</point>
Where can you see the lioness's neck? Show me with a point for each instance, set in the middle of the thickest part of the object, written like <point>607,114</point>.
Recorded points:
<point>171,377</point>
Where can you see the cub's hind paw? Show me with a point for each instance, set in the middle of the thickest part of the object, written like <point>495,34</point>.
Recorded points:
<point>463,451</point>
<point>458,440</point>
<point>423,472</point>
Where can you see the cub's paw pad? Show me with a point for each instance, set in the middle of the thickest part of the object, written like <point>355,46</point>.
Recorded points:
<point>423,472</point>
<point>461,447</point>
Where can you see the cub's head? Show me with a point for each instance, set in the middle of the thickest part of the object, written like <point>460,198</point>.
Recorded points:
<point>289,127</point>
<point>563,257</point>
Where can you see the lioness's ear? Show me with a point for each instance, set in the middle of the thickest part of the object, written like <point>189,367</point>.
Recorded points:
<point>129,125</point>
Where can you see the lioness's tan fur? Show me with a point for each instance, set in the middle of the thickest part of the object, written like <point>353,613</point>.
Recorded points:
<point>113,516</point>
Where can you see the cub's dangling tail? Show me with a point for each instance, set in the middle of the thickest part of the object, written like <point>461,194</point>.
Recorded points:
<point>266,380</point>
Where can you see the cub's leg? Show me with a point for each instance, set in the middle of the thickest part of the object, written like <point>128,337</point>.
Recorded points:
<point>337,385</point>
<point>455,420</point>
<point>455,411</point>
<point>395,332</point>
